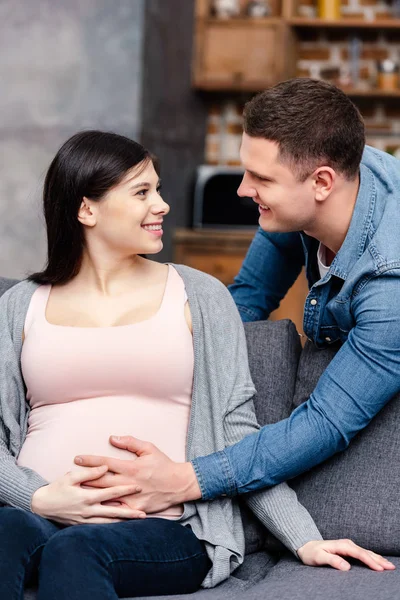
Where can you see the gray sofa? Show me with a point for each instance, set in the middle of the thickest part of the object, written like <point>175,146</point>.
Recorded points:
<point>355,494</point>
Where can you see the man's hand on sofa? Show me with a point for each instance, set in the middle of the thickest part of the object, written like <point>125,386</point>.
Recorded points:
<point>331,552</point>
<point>161,481</point>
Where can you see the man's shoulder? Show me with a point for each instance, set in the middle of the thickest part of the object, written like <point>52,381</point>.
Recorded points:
<point>381,163</point>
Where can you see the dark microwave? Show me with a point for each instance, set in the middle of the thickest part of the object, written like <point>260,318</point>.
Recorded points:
<point>216,203</point>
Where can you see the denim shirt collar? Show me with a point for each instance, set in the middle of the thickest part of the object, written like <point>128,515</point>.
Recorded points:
<point>360,225</point>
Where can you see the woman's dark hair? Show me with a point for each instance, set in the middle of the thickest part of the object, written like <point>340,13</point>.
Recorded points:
<point>89,164</point>
<point>313,122</point>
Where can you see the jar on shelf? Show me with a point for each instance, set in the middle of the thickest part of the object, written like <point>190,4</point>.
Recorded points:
<point>226,9</point>
<point>329,9</point>
<point>388,75</point>
<point>213,136</point>
<point>258,9</point>
<point>232,134</point>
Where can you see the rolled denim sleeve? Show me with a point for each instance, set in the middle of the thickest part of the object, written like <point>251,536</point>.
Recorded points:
<point>362,377</point>
<point>271,266</point>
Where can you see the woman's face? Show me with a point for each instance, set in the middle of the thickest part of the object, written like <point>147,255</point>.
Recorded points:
<point>128,220</point>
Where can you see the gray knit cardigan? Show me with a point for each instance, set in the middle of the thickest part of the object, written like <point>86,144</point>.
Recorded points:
<point>222,413</point>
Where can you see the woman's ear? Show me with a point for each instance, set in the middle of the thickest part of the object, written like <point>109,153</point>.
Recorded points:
<point>86,215</point>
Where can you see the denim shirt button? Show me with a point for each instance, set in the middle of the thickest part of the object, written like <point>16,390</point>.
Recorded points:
<point>313,302</point>
<point>328,339</point>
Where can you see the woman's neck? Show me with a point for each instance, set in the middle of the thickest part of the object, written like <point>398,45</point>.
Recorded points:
<point>109,276</point>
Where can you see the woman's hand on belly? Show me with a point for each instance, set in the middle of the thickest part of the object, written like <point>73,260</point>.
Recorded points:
<point>67,501</point>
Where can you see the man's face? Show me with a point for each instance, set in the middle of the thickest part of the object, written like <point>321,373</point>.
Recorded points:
<point>285,204</point>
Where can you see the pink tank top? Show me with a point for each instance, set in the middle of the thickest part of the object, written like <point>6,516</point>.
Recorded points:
<point>87,383</point>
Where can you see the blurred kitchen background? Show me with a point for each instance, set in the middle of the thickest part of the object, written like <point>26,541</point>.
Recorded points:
<point>174,75</point>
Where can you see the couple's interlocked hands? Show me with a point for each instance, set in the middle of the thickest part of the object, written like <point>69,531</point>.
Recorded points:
<point>160,482</point>
<point>107,490</point>
<point>71,501</point>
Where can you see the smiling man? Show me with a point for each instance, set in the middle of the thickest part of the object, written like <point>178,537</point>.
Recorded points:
<point>330,203</point>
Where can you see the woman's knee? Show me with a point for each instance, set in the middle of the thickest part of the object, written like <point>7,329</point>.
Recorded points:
<point>69,546</point>
<point>21,527</point>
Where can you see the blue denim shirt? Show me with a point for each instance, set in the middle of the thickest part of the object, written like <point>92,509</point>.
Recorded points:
<point>357,302</point>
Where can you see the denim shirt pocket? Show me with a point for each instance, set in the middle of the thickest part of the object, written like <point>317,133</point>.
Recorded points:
<point>331,334</point>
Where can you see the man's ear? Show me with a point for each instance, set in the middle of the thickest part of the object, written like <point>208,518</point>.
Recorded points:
<point>86,215</point>
<point>324,179</point>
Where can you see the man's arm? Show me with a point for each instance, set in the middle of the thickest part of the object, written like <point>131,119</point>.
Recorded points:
<point>363,376</point>
<point>272,264</point>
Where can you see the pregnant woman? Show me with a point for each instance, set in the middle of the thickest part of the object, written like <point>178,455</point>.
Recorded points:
<point>102,342</point>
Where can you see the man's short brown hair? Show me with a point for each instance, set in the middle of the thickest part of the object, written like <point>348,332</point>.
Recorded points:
<point>313,122</point>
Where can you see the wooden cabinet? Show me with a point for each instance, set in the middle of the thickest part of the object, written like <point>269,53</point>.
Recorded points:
<point>250,54</point>
<point>221,253</point>
<point>238,54</point>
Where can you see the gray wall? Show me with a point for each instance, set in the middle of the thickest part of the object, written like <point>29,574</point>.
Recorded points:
<point>65,65</point>
<point>173,115</point>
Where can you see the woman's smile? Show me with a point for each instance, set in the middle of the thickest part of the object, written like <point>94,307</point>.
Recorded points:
<point>154,229</point>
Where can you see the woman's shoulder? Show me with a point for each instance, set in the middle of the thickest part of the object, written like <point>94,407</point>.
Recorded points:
<point>201,282</point>
<point>18,296</point>
<point>210,295</point>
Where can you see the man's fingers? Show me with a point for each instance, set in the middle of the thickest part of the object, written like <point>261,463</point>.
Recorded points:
<point>88,460</point>
<point>114,492</point>
<point>127,442</point>
<point>87,474</point>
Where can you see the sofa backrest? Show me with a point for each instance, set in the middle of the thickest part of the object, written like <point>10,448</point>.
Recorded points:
<point>274,350</point>
<point>355,494</point>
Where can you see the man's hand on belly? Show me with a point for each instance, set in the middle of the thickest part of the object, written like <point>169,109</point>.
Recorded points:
<point>162,482</point>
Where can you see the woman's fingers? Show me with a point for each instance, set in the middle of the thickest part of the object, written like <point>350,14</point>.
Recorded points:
<point>382,560</point>
<point>114,492</point>
<point>331,552</point>
<point>372,560</point>
<point>101,520</point>
<point>115,512</point>
<point>333,560</point>
<point>109,479</point>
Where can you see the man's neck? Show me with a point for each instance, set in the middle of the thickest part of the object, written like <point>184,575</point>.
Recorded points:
<point>333,222</point>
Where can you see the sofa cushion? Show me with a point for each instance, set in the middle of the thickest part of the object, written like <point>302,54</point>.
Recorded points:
<point>274,350</point>
<point>291,580</point>
<point>355,494</point>
<point>254,569</point>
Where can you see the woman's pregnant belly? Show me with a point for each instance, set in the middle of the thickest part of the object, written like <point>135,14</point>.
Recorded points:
<point>59,432</point>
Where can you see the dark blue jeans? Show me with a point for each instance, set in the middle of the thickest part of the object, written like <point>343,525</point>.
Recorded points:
<point>132,558</point>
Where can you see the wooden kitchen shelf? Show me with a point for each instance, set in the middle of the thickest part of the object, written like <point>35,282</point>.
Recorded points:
<point>344,23</point>
<point>244,54</point>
